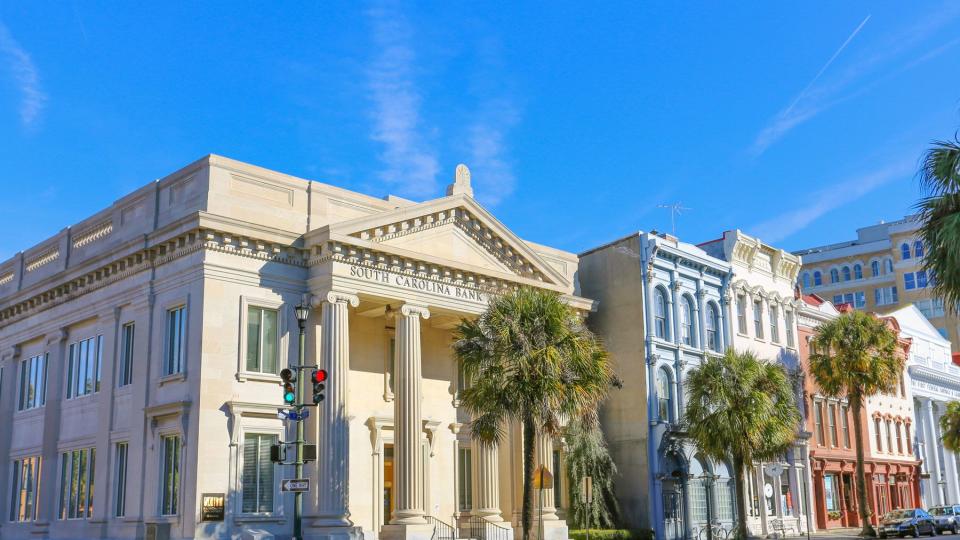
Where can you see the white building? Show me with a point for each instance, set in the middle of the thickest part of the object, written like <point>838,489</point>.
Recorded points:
<point>933,382</point>
<point>764,316</point>
<point>140,349</point>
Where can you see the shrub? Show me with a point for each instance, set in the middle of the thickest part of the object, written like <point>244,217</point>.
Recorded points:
<point>612,534</point>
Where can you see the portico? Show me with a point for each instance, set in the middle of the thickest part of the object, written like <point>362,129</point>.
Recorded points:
<point>384,311</point>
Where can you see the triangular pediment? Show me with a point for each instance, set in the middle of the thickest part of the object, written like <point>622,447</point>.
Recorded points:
<point>454,229</point>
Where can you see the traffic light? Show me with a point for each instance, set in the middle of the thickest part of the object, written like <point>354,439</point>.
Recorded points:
<point>318,377</point>
<point>289,391</point>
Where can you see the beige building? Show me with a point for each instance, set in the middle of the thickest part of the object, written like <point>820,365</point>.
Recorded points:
<point>140,352</point>
<point>765,315</point>
<point>880,271</point>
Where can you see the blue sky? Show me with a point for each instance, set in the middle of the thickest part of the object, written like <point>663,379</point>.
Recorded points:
<point>796,121</point>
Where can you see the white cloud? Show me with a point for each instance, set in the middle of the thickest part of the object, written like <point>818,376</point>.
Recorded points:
<point>26,76</point>
<point>835,196</point>
<point>411,165</point>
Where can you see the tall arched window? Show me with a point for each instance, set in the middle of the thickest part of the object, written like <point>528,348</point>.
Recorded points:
<point>846,273</point>
<point>875,268</point>
<point>660,313</point>
<point>905,251</point>
<point>664,396</point>
<point>857,271</point>
<point>817,279</point>
<point>806,280</point>
<point>888,263</point>
<point>918,249</point>
<point>834,276</point>
<point>713,326</point>
<point>686,321</point>
<point>698,491</point>
<point>724,492</point>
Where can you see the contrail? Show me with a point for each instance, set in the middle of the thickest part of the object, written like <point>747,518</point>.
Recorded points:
<point>825,66</point>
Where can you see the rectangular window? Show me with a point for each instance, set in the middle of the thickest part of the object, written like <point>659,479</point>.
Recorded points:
<point>837,299</point>
<point>126,354</point>
<point>921,279</point>
<point>845,425</point>
<point>176,332</point>
<point>906,428</point>
<point>889,437</point>
<point>465,477</point>
<point>831,492</point>
<point>23,495</point>
<point>788,319</point>
<point>774,324</point>
<point>170,475</point>
<point>33,383</point>
<point>885,295</point>
<point>848,298</point>
<point>818,419</point>
<point>76,483</point>
<point>758,319</point>
<point>120,480</point>
<point>832,419</point>
<point>258,480</point>
<point>859,299</point>
<point>84,365</point>
<point>263,337</point>
<point>879,437</point>
<point>899,439</point>
<point>742,313</point>
<point>908,282</point>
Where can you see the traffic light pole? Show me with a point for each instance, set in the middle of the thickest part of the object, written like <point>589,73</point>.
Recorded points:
<point>298,464</point>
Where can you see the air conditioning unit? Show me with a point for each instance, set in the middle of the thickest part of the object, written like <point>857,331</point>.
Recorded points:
<point>156,531</point>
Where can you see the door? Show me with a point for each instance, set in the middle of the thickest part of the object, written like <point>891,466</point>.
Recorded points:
<point>672,511</point>
<point>388,499</point>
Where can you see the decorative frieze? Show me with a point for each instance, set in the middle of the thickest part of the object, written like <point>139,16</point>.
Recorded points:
<point>46,257</point>
<point>92,234</point>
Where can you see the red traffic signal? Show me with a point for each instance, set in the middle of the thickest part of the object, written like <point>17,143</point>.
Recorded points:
<point>318,377</point>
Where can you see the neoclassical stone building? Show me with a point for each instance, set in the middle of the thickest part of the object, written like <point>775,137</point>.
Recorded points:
<point>663,308</point>
<point>140,352</point>
<point>764,309</point>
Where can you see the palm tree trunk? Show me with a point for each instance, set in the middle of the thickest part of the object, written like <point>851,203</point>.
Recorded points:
<point>738,471</point>
<point>529,434</point>
<point>856,405</point>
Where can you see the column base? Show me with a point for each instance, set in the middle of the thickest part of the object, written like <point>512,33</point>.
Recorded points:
<point>416,531</point>
<point>555,529</point>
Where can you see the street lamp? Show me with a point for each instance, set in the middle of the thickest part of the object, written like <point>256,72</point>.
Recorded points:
<point>302,311</point>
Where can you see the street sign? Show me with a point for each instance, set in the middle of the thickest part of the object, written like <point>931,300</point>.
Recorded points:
<point>542,478</point>
<point>295,485</point>
<point>586,489</point>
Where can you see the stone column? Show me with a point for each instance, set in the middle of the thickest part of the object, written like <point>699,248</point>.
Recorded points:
<point>408,517</point>
<point>930,438</point>
<point>109,324</point>
<point>333,467</point>
<point>543,455</point>
<point>487,505</point>
<point>949,463</point>
<point>56,347</point>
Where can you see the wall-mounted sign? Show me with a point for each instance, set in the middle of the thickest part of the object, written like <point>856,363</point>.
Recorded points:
<point>417,284</point>
<point>211,507</point>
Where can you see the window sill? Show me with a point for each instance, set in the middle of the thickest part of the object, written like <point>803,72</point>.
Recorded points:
<point>245,376</point>
<point>173,520</point>
<point>254,518</point>
<point>172,378</point>
<point>27,413</point>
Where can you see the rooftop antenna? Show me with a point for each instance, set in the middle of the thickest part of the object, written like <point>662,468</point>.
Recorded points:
<point>676,209</point>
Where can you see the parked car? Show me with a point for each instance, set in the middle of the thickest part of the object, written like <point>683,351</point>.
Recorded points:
<point>900,523</point>
<point>946,517</point>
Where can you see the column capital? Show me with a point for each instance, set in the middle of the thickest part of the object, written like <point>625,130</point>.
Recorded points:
<point>336,297</point>
<point>410,310</point>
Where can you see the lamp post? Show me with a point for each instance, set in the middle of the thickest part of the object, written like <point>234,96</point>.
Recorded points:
<point>302,311</point>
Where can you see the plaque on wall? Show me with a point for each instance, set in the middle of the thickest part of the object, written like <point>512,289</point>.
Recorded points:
<point>211,507</point>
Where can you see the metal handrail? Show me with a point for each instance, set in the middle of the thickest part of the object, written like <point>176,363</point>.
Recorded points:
<point>477,528</point>
<point>441,530</point>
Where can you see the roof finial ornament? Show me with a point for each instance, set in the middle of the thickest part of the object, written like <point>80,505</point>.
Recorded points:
<point>461,182</point>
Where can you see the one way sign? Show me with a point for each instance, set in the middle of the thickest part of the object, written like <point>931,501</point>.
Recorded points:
<point>295,485</point>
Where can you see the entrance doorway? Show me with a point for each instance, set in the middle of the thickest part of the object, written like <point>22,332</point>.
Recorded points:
<point>388,486</point>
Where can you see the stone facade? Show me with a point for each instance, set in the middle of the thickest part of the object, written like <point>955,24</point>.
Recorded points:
<point>140,350</point>
<point>663,309</point>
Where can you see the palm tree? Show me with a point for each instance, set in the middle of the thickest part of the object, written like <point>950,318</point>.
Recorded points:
<point>950,426</point>
<point>940,216</point>
<point>529,359</point>
<point>741,408</point>
<point>588,455</point>
<point>855,355</point>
